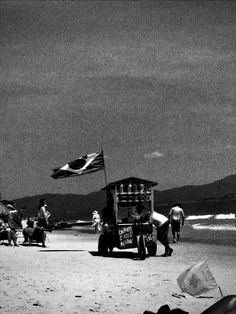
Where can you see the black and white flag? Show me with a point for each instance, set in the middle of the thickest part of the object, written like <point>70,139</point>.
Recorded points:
<point>83,165</point>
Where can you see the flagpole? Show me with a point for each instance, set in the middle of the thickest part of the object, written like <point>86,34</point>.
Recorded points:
<point>105,174</point>
<point>220,291</point>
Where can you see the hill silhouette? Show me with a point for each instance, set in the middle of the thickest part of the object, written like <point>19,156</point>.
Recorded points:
<point>213,198</point>
<point>216,189</point>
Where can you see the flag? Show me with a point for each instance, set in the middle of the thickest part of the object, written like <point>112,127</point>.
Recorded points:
<point>83,165</point>
<point>197,279</point>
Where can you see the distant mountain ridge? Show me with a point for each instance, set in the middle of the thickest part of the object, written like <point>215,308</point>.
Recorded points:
<point>189,193</point>
<point>216,197</point>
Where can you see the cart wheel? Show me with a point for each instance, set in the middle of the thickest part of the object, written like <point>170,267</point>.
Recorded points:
<point>141,247</point>
<point>102,245</point>
<point>152,249</point>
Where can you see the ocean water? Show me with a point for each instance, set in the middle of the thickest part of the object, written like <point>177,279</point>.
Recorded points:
<point>210,229</point>
<point>201,227</point>
<point>207,229</point>
<point>218,222</point>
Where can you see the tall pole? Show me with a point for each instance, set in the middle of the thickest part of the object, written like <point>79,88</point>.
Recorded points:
<point>105,174</point>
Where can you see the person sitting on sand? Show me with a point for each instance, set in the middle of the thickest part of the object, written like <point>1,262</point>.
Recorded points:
<point>14,222</point>
<point>33,232</point>
<point>6,233</point>
<point>29,229</point>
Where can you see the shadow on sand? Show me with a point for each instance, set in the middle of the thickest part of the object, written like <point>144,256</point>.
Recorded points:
<point>83,230</point>
<point>52,251</point>
<point>30,245</point>
<point>120,254</point>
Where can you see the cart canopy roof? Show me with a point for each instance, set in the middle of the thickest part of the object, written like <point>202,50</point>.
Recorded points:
<point>126,181</point>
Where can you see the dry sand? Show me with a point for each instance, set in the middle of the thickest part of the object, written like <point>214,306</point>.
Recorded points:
<point>69,277</point>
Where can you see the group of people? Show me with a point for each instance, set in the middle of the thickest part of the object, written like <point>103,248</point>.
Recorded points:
<point>10,221</point>
<point>8,227</point>
<point>35,227</point>
<point>175,219</point>
<point>161,222</point>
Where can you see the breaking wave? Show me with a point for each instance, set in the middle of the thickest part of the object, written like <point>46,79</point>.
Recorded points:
<point>218,222</point>
<point>219,216</point>
<point>213,227</point>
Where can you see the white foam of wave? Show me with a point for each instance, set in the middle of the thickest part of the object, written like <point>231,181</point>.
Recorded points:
<point>225,216</point>
<point>199,217</point>
<point>211,227</point>
<point>219,216</point>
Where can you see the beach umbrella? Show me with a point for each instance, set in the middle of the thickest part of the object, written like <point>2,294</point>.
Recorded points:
<point>4,211</point>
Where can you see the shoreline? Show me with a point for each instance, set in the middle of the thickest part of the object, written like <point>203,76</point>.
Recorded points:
<point>188,234</point>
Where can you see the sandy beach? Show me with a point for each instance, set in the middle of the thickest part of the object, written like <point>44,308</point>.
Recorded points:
<point>68,276</point>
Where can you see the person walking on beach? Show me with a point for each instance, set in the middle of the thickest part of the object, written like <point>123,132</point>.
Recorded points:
<point>96,221</point>
<point>162,225</point>
<point>176,219</point>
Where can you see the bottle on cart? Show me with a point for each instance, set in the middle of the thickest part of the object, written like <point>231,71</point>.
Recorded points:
<point>121,188</point>
<point>130,188</point>
<point>135,188</point>
<point>141,188</point>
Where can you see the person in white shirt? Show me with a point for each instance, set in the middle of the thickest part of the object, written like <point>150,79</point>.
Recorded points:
<point>176,219</point>
<point>96,221</point>
<point>162,225</point>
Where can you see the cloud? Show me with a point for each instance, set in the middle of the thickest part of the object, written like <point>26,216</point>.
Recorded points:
<point>153,155</point>
<point>230,147</point>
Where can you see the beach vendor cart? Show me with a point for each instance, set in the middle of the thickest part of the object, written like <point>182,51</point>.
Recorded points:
<point>127,217</point>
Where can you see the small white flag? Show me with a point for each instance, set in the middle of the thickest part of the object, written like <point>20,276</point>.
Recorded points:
<point>197,279</point>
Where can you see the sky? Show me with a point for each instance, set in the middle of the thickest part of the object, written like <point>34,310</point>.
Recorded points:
<point>153,81</point>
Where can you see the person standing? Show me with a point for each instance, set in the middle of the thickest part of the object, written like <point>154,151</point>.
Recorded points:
<point>162,225</point>
<point>96,221</point>
<point>43,214</point>
<point>176,219</point>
